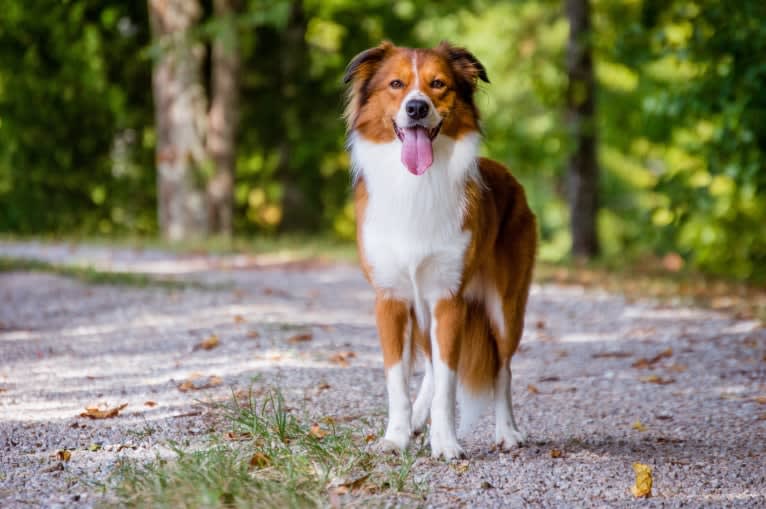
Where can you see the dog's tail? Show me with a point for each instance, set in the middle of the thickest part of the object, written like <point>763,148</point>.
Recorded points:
<point>478,366</point>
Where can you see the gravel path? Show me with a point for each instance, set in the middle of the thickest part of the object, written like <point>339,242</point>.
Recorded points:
<point>66,345</point>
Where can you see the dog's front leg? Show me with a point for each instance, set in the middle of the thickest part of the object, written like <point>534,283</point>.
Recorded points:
<point>448,316</point>
<point>394,323</point>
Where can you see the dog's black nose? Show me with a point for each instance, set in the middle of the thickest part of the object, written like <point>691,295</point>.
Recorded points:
<point>417,109</point>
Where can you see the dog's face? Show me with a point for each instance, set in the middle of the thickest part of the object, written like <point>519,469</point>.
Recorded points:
<point>414,96</point>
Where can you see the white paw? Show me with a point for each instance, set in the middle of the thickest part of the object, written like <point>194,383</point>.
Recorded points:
<point>448,449</point>
<point>419,418</point>
<point>509,438</point>
<point>394,441</point>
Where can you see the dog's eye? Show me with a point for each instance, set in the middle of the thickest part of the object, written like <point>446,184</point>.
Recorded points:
<point>396,84</point>
<point>437,84</point>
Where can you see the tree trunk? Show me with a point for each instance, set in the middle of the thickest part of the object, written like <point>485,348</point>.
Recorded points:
<point>223,117</point>
<point>581,104</point>
<point>297,210</point>
<point>179,103</point>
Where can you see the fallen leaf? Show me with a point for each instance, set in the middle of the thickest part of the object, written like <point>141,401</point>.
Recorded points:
<point>677,368</point>
<point>317,432</point>
<point>259,460</point>
<point>300,338</point>
<point>208,343</point>
<point>460,468</point>
<point>239,319</point>
<point>253,334</point>
<point>64,455</point>
<point>93,412</point>
<point>329,420</point>
<point>236,436</point>
<point>643,486</point>
<point>656,379</point>
<point>323,386</point>
<point>638,426</point>
<point>370,438</point>
<point>556,453</point>
<point>760,399</point>
<point>611,355</point>
<point>150,404</point>
<point>644,363</point>
<point>341,358</point>
<point>533,389</point>
<point>196,383</point>
<point>94,447</point>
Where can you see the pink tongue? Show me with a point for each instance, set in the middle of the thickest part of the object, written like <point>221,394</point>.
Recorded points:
<point>417,153</point>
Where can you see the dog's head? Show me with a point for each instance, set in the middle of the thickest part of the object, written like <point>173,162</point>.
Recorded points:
<point>413,95</point>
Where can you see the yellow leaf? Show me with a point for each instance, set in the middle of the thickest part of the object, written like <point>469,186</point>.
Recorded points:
<point>317,432</point>
<point>93,412</point>
<point>460,468</point>
<point>64,455</point>
<point>643,486</point>
<point>208,343</point>
<point>259,460</point>
<point>556,453</point>
<point>638,426</point>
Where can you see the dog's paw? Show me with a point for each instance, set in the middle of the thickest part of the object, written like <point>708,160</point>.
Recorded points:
<point>447,449</point>
<point>509,438</point>
<point>387,446</point>
<point>419,420</point>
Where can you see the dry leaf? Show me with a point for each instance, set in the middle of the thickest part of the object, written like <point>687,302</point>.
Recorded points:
<point>643,486</point>
<point>760,399</point>
<point>611,355</point>
<point>196,383</point>
<point>648,363</point>
<point>208,343</point>
<point>460,468</point>
<point>323,386</point>
<point>64,455</point>
<point>93,412</point>
<point>300,338</point>
<point>533,389</point>
<point>150,404</point>
<point>236,436</point>
<point>317,432</point>
<point>329,420</point>
<point>677,368</point>
<point>239,319</point>
<point>370,438</point>
<point>259,460</point>
<point>253,334</point>
<point>656,379</point>
<point>342,358</point>
<point>556,453</point>
<point>638,426</point>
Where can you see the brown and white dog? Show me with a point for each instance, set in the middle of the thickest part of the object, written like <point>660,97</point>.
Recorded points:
<point>445,237</point>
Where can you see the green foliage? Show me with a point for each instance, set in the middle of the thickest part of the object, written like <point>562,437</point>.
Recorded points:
<point>681,116</point>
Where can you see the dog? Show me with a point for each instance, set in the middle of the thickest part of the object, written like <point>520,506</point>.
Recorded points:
<point>445,237</point>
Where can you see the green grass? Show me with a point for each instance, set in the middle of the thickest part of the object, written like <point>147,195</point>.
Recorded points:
<point>295,246</point>
<point>90,275</point>
<point>276,460</point>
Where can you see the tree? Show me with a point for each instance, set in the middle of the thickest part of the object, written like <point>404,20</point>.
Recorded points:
<point>582,170</point>
<point>179,102</point>
<point>223,116</point>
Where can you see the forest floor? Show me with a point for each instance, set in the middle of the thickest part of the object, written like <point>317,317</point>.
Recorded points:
<point>202,349</point>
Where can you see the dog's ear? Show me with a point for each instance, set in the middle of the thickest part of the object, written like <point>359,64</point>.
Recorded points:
<point>363,66</point>
<point>466,66</point>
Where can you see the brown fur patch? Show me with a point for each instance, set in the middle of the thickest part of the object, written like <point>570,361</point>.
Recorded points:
<point>392,317</point>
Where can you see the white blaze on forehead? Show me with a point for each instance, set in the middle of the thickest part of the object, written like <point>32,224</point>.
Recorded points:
<point>415,69</point>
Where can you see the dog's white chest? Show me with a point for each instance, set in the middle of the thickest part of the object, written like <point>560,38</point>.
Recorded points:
<point>412,236</point>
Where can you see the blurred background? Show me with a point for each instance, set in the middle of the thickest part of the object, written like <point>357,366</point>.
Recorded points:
<point>639,134</point>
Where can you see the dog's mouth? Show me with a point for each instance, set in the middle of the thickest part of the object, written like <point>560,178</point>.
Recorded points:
<point>417,146</point>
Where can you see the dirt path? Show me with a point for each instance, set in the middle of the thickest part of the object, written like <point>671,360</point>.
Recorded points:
<point>65,345</point>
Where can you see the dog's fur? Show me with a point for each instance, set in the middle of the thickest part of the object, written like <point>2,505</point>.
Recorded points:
<point>449,249</point>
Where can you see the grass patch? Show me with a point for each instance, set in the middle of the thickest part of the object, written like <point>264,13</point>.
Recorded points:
<point>268,457</point>
<point>647,279</point>
<point>294,246</point>
<point>91,275</point>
